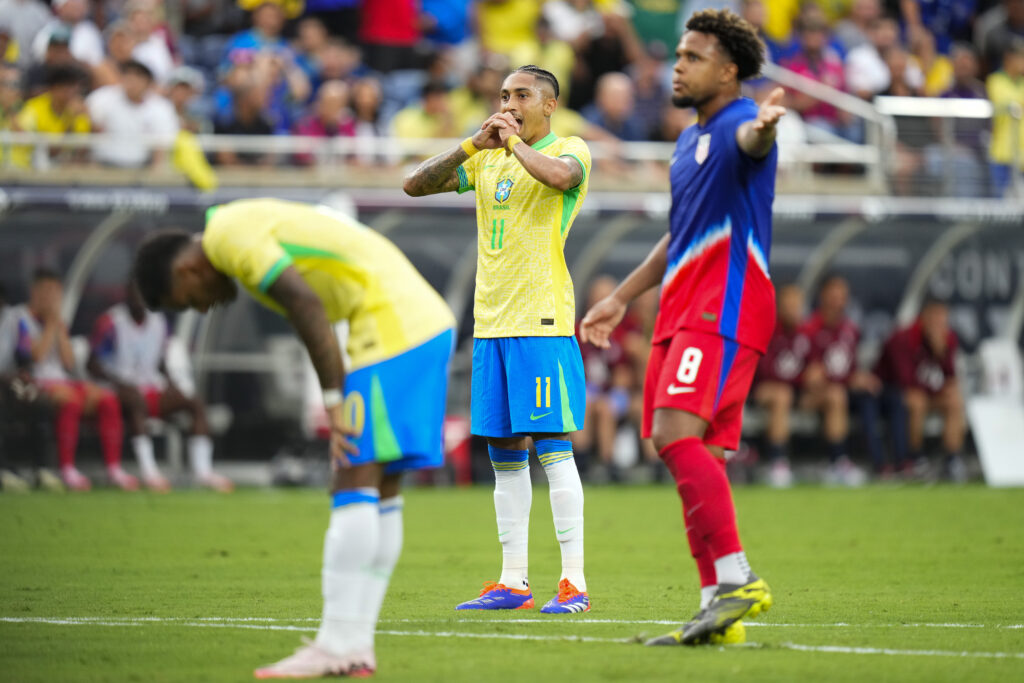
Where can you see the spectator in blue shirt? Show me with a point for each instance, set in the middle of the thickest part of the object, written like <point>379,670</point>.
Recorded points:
<point>614,109</point>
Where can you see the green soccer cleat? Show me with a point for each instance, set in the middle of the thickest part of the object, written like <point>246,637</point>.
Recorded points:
<point>730,604</point>
<point>734,633</point>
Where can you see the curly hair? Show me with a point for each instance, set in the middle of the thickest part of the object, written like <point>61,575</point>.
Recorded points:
<point>152,268</point>
<point>737,37</point>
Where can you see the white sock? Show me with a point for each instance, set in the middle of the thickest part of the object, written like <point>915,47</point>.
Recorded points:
<point>200,455</point>
<point>350,546</point>
<point>733,569</point>
<point>706,594</point>
<point>389,548</point>
<point>513,496</point>
<point>142,445</point>
<point>566,506</point>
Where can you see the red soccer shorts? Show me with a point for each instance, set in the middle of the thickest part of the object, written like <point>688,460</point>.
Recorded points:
<point>703,374</point>
<point>151,395</point>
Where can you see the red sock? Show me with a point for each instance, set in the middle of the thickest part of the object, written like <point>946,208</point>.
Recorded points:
<point>704,489</point>
<point>68,416</point>
<point>110,427</point>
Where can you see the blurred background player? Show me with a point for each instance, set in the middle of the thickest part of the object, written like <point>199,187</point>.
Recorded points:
<point>527,370</point>
<point>831,375</point>
<point>917,366</point>
<point>614,381</point>
<point>23,408</point>
<point>717,306</point>
<point>777,380</point>
<point>128,354</point>
<point>44,345</point>
<point>317,268</point>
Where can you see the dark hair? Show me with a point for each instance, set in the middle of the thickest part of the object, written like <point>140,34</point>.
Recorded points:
<point>540,74</point>
<point>43,273</point>
<point>831,278</point>
<point>434,87</point>
<point>134,65</point>
<point>64,74</point>
<point>738,39</point>
<point>152,268</point>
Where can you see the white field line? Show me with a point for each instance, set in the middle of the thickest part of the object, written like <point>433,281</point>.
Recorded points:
<point>125,621</point>
<point>247,623</point>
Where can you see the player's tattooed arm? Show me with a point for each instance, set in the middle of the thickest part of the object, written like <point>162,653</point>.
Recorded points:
<point>436,174</point>
<point>306,313</point>
<point>756,137</point>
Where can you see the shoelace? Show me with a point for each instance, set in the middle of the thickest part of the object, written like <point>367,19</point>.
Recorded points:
<point>566,591</point>
<point>489,586</point>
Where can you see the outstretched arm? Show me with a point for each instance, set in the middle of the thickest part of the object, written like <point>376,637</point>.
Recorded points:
<point>598,323</point>
<point>756,137</point>
<point>437,174</point>
<point>306,313</point>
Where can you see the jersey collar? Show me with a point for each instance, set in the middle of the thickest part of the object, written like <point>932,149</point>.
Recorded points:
<point>544,141</point>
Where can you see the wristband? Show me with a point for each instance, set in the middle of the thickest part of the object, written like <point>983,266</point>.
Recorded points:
<point>468,147</point>
<point>332,397</point>
<point>513,140</point>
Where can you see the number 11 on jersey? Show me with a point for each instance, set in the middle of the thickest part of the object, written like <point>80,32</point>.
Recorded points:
<point>547,392</point>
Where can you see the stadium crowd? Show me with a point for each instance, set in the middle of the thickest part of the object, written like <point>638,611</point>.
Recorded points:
<point>432,68</point>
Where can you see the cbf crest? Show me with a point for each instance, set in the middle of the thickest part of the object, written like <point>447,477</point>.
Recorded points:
<point>503,190</point>
<point>703,147</point>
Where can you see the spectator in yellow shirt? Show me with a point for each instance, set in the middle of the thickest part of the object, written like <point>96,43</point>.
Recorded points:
<point>432,118</point>
<point>58,110</point>
<point>1006,91</point>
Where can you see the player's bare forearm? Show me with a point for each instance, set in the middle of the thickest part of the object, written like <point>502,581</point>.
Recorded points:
<point>648,274</point>
<point>67,354</point>
<point>559,173</point>
<point>306,313</point>
<point>755,143</point>
<point>436,174</point>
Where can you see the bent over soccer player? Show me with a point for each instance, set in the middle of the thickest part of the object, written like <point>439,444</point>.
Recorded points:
<point>317,268</point>
<point>717,308</point>
<point>527,370</point>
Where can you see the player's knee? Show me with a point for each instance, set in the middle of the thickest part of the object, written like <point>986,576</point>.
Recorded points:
<point>915,401</point>
<point>836,396</point>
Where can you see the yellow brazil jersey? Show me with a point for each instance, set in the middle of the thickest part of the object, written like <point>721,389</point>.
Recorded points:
<point>522,283</point>
<point>358,274</point>
<point>37,116</point>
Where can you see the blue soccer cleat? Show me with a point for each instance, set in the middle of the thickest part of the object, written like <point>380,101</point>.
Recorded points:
<point>568,601</point>
<point>499,596</point>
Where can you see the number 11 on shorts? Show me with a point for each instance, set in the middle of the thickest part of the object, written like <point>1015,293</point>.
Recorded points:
<point>547,392</point>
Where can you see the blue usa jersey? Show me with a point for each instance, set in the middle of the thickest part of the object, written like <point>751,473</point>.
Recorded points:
<point>716,276</point>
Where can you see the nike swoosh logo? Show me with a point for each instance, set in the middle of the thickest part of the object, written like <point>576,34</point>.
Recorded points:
<point>673,390</point>
<point>491,166</point>
<point>537,417</point>
<point>504,532</point>
<point>565,531</point>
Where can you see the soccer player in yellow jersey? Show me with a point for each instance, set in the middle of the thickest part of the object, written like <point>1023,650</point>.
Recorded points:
<point>318,268</point>
<point>527,370</point>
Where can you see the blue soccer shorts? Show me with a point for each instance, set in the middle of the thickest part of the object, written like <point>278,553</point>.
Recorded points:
<point>396,408</point>
<point>527,385</point>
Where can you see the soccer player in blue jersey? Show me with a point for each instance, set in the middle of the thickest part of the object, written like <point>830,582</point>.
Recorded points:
<point>527,370</point>
<point>717,309</point>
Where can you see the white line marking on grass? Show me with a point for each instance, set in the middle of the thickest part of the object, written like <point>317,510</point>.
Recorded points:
<point>505,636</point>
<point>840,649</point>
<point>245,623</point>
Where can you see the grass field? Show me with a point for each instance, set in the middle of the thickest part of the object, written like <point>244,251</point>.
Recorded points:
<point>879,584</point>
